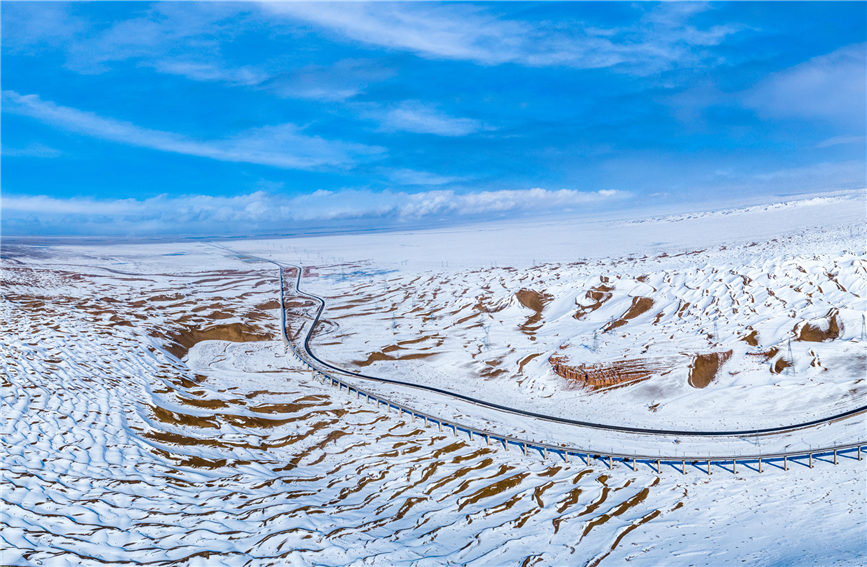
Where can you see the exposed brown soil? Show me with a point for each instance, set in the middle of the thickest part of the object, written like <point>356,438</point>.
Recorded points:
<point>532,299</point>
<point>815,334</point>
<point>704,368</point>
<point>780,365</point>
<point>639,305</point>
<point>536,301</point>
<point>751,339</point>
<point>164,298</point>
<point>492,369</point>
<point>180,341</point>
<point>176,418</point>
<point>467,318</point>
<point>523,362</point>
<point>376,356</point>
<point>438,338</point>
<point>768,354</point>
<point>598,295</point>
<point>482,307</point>
<point>493,489</point>
<point>205,404</point>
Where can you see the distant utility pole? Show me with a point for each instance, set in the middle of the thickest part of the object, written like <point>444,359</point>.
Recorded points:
<point>792,357</point>
<point>863,326</point>
<point>487,329</point>
<point>715,330</point>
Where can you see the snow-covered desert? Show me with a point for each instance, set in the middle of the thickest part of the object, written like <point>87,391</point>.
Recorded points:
<point>151,413</point>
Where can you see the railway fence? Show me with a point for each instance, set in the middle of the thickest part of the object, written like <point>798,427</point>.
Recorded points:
<point>325,373</point>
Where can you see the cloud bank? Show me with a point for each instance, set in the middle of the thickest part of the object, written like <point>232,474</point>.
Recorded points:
<point>282,145</point>
<point>664,37</point>
<point>830,87</point>
<point>267,212</point>
<point>419,118</point>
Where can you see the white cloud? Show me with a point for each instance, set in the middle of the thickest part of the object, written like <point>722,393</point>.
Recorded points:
<point>841,140</point>
<point>339,81</point>
<point>35,150</point>
<point>282,145</point>
<point>661,39</point>
<point>195,214</point>
<point>831,87</point>
<point>184,40</point>
<point>27,26</point>
<point>209,72</point>
<point>416,177</point>
<point>416,117</point>
<point>160,31</point>
<point>485,202</point>
<point>850,174</point>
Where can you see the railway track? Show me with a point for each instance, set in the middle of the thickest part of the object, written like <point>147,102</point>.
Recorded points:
<point>332,374</point>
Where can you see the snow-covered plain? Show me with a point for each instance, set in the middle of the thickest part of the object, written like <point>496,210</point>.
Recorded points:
<point>149,413</point>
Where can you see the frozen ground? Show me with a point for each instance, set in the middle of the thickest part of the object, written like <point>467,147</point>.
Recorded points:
<point>149,416</point>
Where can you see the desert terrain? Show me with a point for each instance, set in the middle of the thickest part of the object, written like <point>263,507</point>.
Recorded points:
<point>151,413</point>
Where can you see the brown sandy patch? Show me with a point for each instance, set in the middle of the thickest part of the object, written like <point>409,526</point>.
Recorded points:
<point>752,338</point>
<point>704,367</point>
<point>631,503</point>
<point>532,299</point>
<point>421,339</point>
<point>381,355</point>
<point>467,318</point>
<point>204,404</point>
<point>523,362</point>
<point>639,305</point>
<point>536,301</point>
<point>768,354</point>
<point>482,305</point>
<point>816,334</point>
<point>780,365</point>
<point>492,368</point>
<point>180,341</point>
<point>497,487</point>
<point>177,418</point>
<point>165,297</point>
<point>598,295</point>
<point>284,408</point>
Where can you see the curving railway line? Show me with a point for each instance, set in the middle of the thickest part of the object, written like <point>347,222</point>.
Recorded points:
<point>326,372</point>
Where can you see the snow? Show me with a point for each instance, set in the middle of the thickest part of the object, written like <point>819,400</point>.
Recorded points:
<point>113,449</point>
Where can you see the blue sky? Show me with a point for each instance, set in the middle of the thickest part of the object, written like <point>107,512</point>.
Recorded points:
<point>138,119</point>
